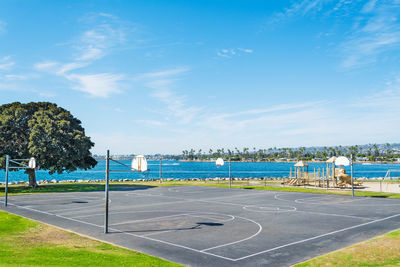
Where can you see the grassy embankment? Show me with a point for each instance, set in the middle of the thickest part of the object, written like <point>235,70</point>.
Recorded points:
<point>24,242</point>
<point>75,187</point>
<point>381,251</point>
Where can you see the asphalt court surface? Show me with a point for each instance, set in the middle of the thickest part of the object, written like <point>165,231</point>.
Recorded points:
<point>209,226</point>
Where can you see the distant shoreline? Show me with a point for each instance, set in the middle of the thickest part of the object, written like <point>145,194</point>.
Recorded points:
<point>281,161</point>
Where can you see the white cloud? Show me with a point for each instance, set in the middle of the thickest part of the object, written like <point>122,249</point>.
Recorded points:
<point>369,6</point>
<point>6,63</point>
<point>65,68</point>
<point>151,123</point>
<point>3,26</point>
<point>47,66</point>
<point>118,110</point>
<point>161,74</point>
<point>15,77</point>
<point>92,45</point>
<point>97,85</point>
<point>246,50</point>
<point>228,53</point>
<point>96,42</point>
<point>175,104</point>
<point>298,8</point>
<point>376,31</point>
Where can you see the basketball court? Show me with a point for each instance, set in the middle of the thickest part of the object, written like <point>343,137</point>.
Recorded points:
<point>209,226</point>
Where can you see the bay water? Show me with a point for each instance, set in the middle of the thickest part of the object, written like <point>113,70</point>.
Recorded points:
<point>200,170</point>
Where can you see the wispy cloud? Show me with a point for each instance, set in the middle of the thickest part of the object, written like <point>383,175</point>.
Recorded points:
<point>376,31</point>
<point>163,74</point>
<point>15,77</point>
<point>228,53</point>
<point>150,123</point>
<point>96,42</point>
<point>6,63</point>
<point>97,85</point>
<point>162,83</point>
<point>3,26</point>
<point>298,8</point>
<point>47,66</point>
<point>105,32</point>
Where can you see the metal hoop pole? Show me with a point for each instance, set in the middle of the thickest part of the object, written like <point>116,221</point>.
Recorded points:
<point>106,191</point>
<point>230,178</point>
<point>352,178</point>
<point>160,172</point>
<point>6,188</point>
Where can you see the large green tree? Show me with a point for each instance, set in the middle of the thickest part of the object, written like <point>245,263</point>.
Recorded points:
<point>46,132</point>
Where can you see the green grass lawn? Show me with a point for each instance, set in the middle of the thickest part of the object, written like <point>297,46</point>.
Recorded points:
<point>381,251</point>
<point>24,242</point>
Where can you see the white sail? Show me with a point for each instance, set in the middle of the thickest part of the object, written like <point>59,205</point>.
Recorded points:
<point>219,162</point>
<point>139,163</point>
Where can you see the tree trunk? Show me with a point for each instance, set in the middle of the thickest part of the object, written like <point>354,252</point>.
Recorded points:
<point>32,178</point>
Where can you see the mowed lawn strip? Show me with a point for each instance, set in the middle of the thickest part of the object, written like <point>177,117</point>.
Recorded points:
<point>381,251</point>
<point>24,242</point>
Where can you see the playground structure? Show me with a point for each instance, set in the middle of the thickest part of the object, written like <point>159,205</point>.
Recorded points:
<point>329,177</point>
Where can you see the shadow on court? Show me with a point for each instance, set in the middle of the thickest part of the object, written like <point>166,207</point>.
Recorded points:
<point>157,230</point>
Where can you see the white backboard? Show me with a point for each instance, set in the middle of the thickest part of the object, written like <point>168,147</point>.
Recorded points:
<point>139,163</point>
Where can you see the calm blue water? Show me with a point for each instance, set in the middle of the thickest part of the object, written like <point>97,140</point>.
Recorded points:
<point>202,170</point>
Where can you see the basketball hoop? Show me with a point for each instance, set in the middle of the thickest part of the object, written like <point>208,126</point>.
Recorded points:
<point>219,162</point>
<point>32,163</point>
<point>139,163</point>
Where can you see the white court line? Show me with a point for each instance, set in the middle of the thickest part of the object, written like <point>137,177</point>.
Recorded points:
<point>143,194</point>
<point>156,233</point>
<point>191,215</point>
<point>24,198</point>
<point>315,237</point>
<point>304,200</point>
<point>209,200</point>
<point>173,244</point>
<point>278,208</point>
<point>149,219</point>
<point>175,215</point>
<point>123,232</point>
<point>131,211</point>
<point>208,253</point>
<point>244,239</point>
<point>210,218</point>
<point>338,215</point>
<point>69,210</point>
<point>296,210</point>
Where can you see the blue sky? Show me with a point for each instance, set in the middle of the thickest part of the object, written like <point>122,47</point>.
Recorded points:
<point>164,76</point>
